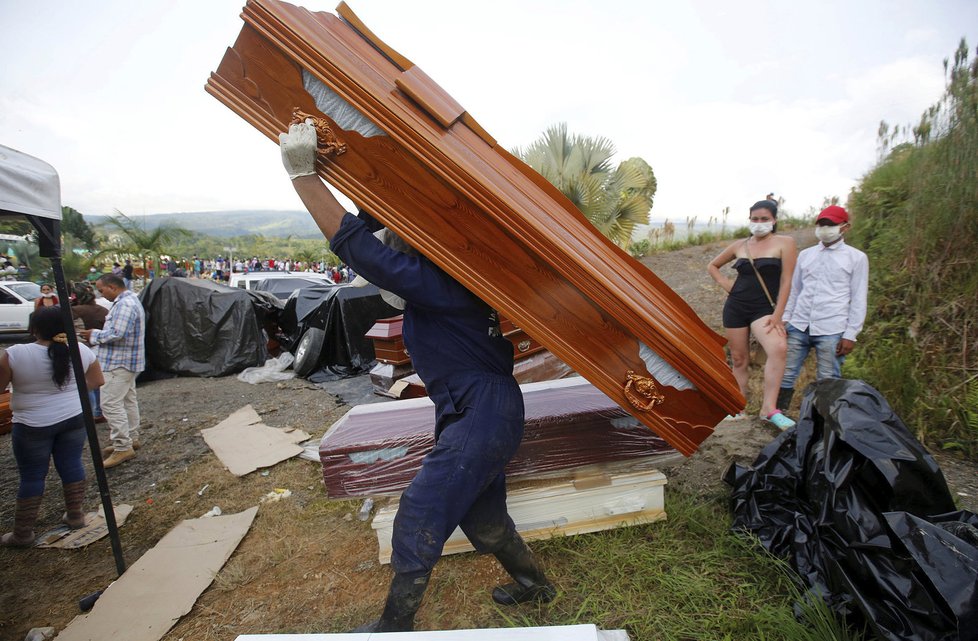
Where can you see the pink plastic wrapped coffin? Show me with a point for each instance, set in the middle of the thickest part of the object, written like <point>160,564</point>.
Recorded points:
<point>377,448</point>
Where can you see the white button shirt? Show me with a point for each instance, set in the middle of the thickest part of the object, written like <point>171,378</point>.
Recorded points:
<point>828,291</point>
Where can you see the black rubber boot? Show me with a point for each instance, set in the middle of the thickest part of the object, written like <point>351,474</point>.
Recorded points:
<point>531,583</point>
<point>784,398</point>
<point>403,602</point>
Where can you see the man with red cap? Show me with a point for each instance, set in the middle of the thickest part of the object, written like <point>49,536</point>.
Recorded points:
<point>827,305</point>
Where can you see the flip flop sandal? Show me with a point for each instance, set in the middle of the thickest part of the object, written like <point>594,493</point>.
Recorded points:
<point>779,420</point>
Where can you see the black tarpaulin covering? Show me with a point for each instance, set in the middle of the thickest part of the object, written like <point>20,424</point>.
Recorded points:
<point>282,288</point>
<point>345,313</point>
<point>862,512</point>
<point>196,327</point>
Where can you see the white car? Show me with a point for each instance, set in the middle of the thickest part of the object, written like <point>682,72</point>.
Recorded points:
<point>248,281</point>
<point>17,305</point>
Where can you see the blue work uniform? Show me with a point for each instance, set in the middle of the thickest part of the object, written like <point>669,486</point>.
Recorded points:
<point>467,367</point>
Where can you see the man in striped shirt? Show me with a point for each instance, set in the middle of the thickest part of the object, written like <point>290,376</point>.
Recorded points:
<point>120,348</point>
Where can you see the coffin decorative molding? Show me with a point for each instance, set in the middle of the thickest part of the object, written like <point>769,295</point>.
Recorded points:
<point>415,159</point>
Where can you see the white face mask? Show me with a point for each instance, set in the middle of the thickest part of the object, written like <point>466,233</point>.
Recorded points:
<point>47,294</point>
<point>828,234</point>
<point>761,229</point>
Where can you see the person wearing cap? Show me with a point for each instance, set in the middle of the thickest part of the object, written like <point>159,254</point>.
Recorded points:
<point>827,305</point>
<point>467,366</point>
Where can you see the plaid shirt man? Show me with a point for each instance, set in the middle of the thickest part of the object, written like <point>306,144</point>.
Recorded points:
<point>120,344</point>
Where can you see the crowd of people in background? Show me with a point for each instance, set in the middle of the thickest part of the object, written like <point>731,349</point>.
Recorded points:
<point>221,268</point>
<point>218,269</point>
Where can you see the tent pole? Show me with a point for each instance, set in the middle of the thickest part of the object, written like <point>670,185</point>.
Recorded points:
<point>93,444</point>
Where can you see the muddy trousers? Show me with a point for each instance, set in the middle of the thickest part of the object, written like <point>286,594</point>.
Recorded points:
<point>461,481</point>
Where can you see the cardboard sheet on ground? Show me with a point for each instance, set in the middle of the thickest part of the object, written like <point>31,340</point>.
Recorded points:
<point>551,633</point>
<point>164,583</point>
<point>95,528</point>
<point>244,443</point>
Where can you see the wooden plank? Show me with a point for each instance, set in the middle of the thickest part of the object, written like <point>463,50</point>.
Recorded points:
<point>484,217</point>
<point>433,99</point>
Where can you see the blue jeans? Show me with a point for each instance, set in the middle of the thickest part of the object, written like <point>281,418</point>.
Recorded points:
<point>34,447</point>
<point>800,343</point>
<point>94,399</point>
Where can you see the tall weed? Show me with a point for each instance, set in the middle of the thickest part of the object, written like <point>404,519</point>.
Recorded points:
<point>916,216</point>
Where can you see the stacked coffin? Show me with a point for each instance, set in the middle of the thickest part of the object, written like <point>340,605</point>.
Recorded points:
<point>394,376</point>
<point>393,362</point>
<point>377,448</point>
<point>584,463</point>
<point>590,502</point>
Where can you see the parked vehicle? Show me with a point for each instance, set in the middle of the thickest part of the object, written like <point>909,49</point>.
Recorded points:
<point>282,288</point>
<point>249,280</point>
<point>17,305</point>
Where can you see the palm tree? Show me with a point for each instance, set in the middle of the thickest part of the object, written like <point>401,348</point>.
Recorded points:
<point>307,255</point>
<point>138,241</point>
<point>614,200</point>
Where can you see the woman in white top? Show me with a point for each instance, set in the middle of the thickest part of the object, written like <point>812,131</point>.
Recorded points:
<point>47,420</point>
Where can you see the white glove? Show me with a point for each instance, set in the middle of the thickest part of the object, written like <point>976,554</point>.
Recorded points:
<point>299,150</point>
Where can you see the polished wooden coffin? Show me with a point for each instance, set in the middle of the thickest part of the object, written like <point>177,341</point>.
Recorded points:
<point>426,169</point>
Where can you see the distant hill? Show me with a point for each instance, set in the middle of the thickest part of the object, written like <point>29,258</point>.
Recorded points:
<point>223,224</point>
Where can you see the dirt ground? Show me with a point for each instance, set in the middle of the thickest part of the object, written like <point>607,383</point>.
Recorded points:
<point>287,576</point>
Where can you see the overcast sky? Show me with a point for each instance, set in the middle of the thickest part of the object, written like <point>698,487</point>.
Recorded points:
<point>726,100</point>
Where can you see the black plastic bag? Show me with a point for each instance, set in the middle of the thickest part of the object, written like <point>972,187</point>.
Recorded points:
<point>851,499</point>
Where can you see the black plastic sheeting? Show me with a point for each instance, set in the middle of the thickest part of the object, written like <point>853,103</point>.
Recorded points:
<point>345,313</point>
<point>862,512</point>
<point>196,327</point>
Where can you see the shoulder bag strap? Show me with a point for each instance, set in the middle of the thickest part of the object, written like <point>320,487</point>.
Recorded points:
<point>761,280</point>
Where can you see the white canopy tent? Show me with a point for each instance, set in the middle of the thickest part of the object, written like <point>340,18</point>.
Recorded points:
<point>30,189</point>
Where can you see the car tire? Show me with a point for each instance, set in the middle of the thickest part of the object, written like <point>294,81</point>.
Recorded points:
<point>308,351</point>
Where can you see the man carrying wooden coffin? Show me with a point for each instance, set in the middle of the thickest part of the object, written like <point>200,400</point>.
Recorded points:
<point>467,367</point>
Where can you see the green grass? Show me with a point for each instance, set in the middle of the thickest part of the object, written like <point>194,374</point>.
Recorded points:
<point>687,578</point>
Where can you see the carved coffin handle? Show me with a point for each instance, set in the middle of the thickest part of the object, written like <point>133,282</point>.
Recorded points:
<point>327,142</point>
<point>642,392</point>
